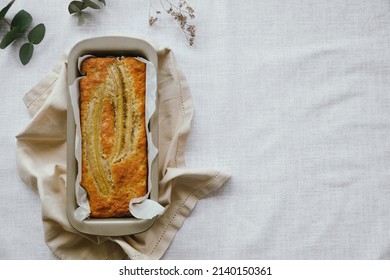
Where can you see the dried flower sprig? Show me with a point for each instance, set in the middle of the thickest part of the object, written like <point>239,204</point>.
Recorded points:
<point>181,12</point>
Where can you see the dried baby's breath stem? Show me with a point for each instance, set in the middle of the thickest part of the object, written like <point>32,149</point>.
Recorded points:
<point>153,19</point>
<point>181,12</point>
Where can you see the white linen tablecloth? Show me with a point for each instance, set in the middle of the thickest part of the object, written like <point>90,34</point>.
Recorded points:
<point>290,97</point>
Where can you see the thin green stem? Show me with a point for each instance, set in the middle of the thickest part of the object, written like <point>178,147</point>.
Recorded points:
<point>7,22</point>
<point>20,36</point>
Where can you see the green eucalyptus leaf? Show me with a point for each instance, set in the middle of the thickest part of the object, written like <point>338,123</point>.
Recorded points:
<point>4,11</point>
<point>9,37</point>
<point>81,19</point>
<point>35,36</point>
<point>22,20</point>
<point>76,7</point>
<point>103,2</point>
<point>26,52</point>
<point>91,4</point>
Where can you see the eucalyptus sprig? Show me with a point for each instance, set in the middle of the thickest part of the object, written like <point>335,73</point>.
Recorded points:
<point>18,28</point>
<point>78,7</point>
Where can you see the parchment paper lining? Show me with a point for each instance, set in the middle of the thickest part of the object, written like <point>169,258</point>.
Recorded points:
<point>141,208</point>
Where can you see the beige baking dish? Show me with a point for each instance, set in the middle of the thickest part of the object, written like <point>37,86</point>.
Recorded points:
<point>106,46</point>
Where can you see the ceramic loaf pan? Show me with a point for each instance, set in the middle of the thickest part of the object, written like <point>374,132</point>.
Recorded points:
<point>106,46</point>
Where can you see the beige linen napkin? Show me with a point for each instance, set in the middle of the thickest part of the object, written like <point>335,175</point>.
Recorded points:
<point>41,159</point>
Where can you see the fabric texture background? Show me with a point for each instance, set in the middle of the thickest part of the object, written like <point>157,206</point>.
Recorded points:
<point>290,97</point>
<point>41,157</point>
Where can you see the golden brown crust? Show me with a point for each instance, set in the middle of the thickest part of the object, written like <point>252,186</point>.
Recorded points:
<point>114,149</point>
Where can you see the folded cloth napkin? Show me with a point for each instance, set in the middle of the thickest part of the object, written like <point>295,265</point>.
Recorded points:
<point>41,160</point>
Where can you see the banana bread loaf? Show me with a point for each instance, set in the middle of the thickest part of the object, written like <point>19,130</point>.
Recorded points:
<point>114,146</point>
